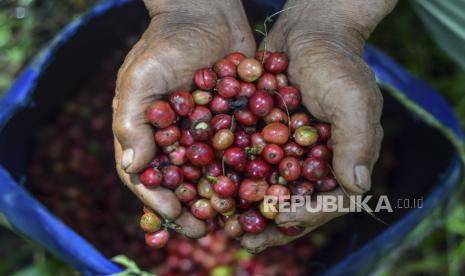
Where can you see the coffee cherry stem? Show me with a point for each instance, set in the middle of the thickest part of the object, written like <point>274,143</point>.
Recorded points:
<point>265,27</point>
<point>233,123</point>
<point>213,179</point>
<point>252,152</point>
<point>356,203</point>
<point>287,111</point>
<point>171,225</point>
<point>222,159</point>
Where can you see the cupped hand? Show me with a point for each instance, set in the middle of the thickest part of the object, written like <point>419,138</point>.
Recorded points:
<point>183,36</point>
<point>324,41</point>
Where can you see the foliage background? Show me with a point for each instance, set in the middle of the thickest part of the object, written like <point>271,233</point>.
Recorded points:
<point>27,25</point>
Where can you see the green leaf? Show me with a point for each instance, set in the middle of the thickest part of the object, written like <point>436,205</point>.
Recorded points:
<point>243,255</point>
<point>16,56</point>
<point>222,271</point>
<point>48,267</point>
<point>456,220</point>
<point>130,265</point>
<point>5,36</point>
<point>4,222</point>
<point>446,24</point>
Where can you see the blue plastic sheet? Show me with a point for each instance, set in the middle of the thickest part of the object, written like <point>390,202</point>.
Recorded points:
<point>30,218</point>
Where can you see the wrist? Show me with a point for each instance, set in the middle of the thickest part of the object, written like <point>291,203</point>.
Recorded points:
<point>343,21</point>
<point>196,9</point>
<point>217,19</point>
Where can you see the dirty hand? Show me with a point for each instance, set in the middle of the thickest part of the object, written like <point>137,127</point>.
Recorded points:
<point>324,40</point>
<point>182,36</point>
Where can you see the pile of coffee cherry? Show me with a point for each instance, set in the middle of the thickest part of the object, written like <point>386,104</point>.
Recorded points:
<point>240,135</point>
<point>72,173</point>
<point>217,254</point>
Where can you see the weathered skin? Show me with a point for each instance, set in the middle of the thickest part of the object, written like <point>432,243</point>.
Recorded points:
<point>324,40</point>
<point>182,37</point>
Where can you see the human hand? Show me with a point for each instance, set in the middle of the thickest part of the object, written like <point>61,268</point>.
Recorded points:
<point>182,37</point>
<point>324,41</point>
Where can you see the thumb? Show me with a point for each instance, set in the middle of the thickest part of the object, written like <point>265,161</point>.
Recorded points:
<point>355,152</point>
<point>136,89</point>
<point>352,104</point>
<point>344,92</point>
<point>357,133</point>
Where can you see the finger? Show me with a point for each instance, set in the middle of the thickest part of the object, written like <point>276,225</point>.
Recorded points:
<point>356,131</point>
<point>137,87</point>
<point>190,225</point>
<point>316,215</point>
<point>343,92</point>
<point>268,238</point>
<point>161,200</point>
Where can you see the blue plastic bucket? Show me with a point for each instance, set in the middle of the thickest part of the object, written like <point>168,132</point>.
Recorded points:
<point>70,58</point>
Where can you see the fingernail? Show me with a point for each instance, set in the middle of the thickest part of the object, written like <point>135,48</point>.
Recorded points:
<point>362,178</point>
<point>128,157</point>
